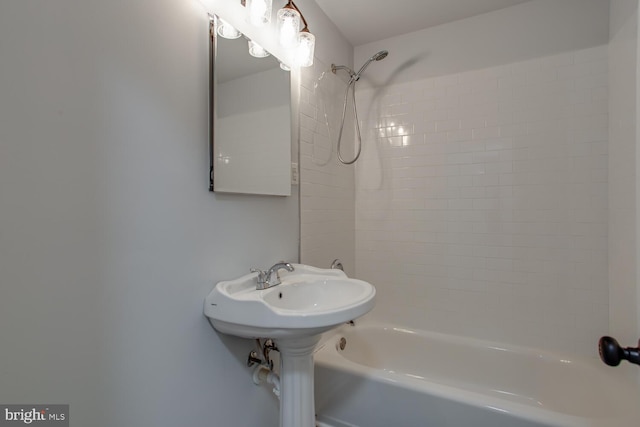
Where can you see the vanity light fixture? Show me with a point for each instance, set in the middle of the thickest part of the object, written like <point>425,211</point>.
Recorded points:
<point>289,20</point>
<point>291,37</point>
<point>259,11</point>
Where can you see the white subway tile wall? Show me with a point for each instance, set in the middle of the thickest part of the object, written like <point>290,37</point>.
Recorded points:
<point>481,201</point>
<point>327,201</point>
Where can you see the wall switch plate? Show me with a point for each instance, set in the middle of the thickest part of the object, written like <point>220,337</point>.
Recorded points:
<point>295,174</point>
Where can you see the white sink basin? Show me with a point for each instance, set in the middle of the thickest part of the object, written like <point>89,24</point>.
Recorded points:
<point>309,301</point>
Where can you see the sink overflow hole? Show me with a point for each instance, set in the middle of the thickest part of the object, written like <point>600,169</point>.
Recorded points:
<point>280,295</point>
<point>342,343</point>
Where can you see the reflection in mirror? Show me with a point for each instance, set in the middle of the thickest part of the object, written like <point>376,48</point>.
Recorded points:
<point>251,119</point>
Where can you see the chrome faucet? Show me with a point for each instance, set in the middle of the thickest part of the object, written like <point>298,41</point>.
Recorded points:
<point>269,278</point>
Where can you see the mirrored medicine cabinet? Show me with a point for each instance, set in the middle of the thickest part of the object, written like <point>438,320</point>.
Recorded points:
<point>252,123</point>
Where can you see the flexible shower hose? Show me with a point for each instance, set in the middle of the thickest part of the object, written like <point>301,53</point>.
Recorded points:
<point>352,86</point>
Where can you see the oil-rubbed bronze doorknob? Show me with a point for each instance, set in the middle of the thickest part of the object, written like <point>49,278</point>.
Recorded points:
<point>612,354</point>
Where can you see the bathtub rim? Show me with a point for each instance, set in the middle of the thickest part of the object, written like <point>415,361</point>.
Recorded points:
<point>328,355</point>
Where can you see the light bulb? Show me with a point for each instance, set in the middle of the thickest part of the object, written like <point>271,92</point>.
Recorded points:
<point>227,31</point>
<point>288,27</point>
<point>256,50</point>
<point>305,49</point>
<point>259,12</point>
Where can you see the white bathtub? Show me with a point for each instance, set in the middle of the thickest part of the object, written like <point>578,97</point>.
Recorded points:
<point>393,377</point>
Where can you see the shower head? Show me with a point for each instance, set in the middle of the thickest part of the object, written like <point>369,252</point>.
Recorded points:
<point>377,57</point>
<point>354,77</point>
<point>380,55</point>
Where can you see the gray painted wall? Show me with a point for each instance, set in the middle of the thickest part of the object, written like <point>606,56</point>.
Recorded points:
<point>109,238</point>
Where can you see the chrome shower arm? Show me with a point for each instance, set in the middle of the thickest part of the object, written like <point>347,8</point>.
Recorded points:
<point>335,68</point>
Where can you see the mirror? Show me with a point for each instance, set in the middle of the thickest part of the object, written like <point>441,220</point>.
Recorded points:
<point>251,125</point>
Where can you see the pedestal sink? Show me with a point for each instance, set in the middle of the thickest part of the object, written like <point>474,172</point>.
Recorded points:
<point>307,302</point>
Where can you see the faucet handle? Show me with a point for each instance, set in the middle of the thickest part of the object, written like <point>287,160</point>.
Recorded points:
<point>262,275</point>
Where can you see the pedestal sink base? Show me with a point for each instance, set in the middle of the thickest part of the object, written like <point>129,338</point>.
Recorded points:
<point>295,313</point>
<point>297,406</point>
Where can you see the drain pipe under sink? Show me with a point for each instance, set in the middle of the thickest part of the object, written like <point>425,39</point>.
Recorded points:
<point>262,374</point>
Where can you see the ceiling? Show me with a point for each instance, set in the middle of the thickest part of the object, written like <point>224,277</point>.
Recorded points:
<point>365,21</point>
